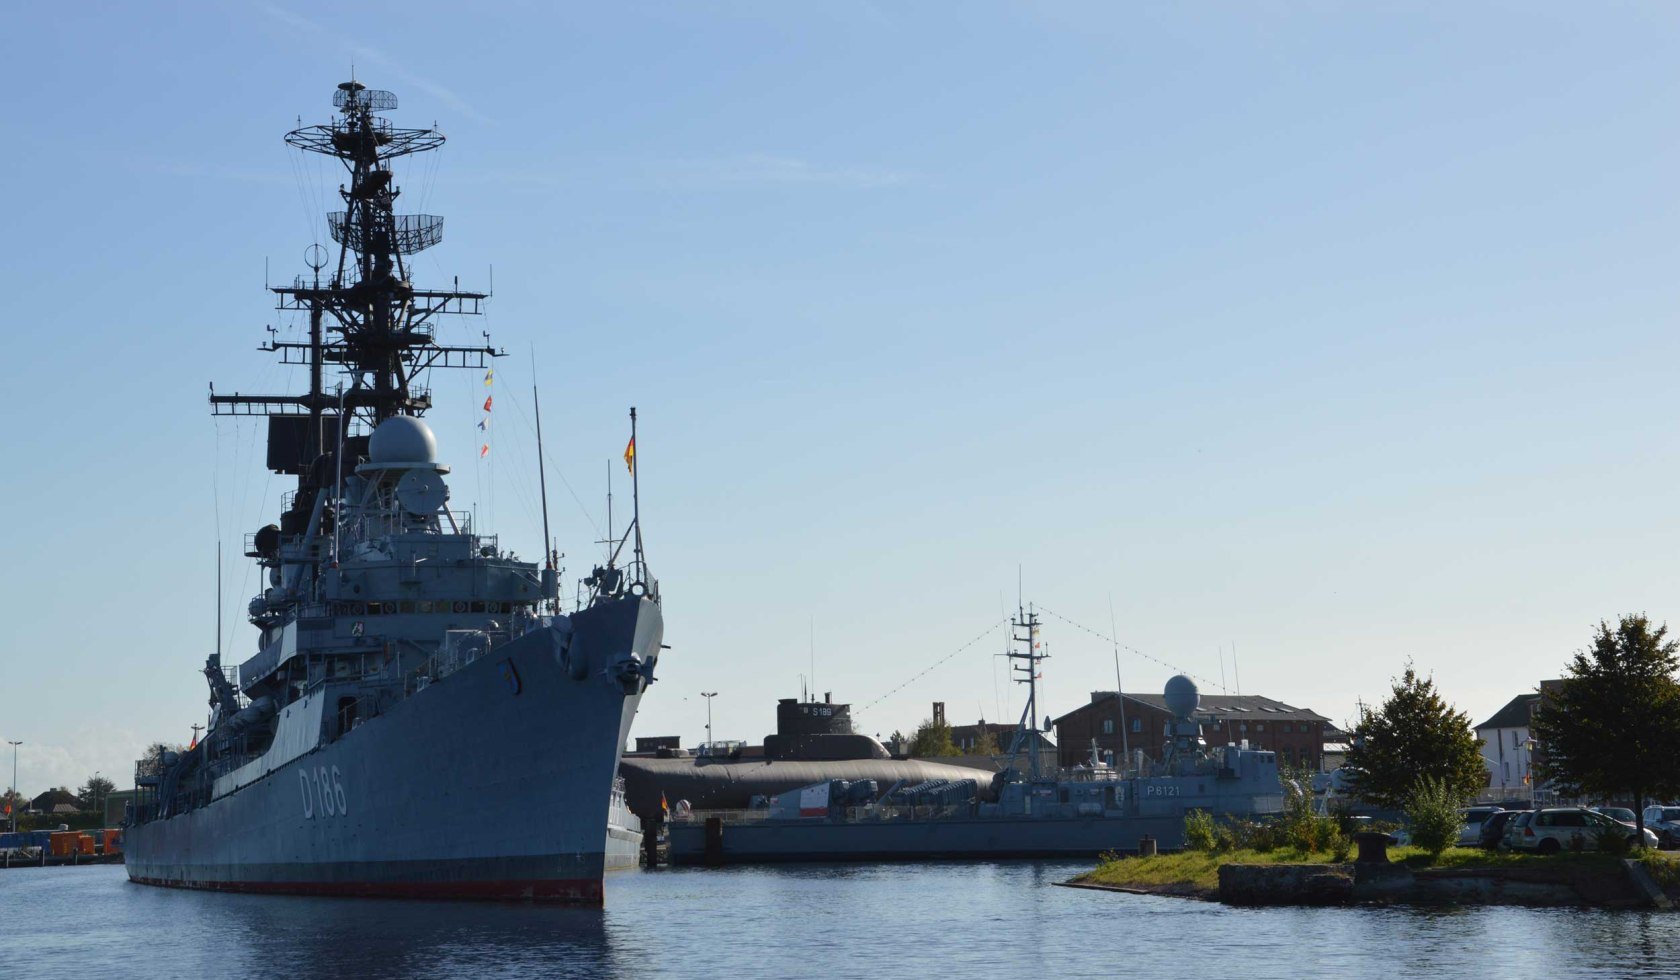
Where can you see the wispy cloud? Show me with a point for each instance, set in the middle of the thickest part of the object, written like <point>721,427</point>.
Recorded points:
<point>757,168</point>
<point>107,749</point>
<point>365,55</point>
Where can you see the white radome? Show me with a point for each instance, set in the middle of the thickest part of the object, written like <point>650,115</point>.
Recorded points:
<point>402,439</point>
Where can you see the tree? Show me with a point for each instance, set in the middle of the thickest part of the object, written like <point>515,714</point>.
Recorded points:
<point>985,743</point>
<point>94,791</point>
<point>1414,736</point>
<point>150,762</point>
<point>1613,726</point>
<point>932,738</point>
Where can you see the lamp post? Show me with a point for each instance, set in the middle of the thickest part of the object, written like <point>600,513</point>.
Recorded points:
<point>708,695</point>
<point>14,746</point>
<point>96,807</point>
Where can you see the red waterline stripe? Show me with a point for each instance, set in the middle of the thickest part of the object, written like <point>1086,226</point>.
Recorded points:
<point>579,891</point>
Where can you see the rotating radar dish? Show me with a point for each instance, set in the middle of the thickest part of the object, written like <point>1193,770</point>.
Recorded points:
<point>422,493</point>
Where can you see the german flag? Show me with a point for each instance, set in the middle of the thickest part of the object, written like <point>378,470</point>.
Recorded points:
<point>630,456</point>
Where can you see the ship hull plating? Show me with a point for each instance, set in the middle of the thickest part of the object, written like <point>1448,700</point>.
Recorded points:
<point>491,783</point>
<point>908,840</point>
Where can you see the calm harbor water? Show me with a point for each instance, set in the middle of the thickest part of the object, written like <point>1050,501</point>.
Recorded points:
<point>993,920</point>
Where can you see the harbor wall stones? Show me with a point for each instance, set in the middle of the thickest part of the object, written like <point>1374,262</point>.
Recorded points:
<point>1607,886</point>
<point>1286,884</point>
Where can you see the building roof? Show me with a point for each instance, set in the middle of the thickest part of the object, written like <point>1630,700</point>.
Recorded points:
<point>1233,707</point>
<point>1514,714</point>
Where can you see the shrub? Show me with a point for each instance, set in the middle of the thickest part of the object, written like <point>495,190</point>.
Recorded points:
<point>1340,846</point>
<point>1612,840</point>
<point>1432,810</point>
<point>1200,833</point>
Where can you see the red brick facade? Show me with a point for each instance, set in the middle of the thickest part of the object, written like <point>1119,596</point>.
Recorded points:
<point>1295,734</point>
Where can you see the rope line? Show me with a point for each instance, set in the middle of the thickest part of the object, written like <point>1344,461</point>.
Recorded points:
<point>985,633</point>
<point>1133,650</point>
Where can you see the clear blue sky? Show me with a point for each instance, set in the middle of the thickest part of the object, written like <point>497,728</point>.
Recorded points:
<point>1340,333</point>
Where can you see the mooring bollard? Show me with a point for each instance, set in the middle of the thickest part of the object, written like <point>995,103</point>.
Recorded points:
<point>1373,847</point>
<point>1146,846</point>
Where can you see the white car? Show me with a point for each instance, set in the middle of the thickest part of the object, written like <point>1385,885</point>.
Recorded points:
<point>1568,828</point>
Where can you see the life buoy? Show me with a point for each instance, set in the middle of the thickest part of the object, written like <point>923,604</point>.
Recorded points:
<point>460,607</point>
<point>638,589</point>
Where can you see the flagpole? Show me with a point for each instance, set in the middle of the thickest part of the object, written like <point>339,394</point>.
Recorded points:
<point>550,584</point>
<point>636,500</point>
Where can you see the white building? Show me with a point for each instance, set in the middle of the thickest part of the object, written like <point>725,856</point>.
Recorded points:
<point>1508,748</point>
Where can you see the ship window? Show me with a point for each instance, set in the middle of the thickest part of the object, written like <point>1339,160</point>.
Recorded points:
<point>1137,725</point>
<point>1108,726</point>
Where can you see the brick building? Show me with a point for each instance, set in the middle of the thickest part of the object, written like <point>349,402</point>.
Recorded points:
<point>1295,734</point>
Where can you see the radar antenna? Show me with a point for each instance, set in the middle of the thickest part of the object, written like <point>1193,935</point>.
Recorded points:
<point>366,317</point>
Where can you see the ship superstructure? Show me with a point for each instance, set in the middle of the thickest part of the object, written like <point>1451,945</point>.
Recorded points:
<point>420,717</point>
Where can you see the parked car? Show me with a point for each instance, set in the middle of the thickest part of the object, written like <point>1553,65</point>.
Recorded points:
<point>1620,814</point>
<point>1493,828</point>
<point>1664,821</point>
<point>1514,829</point>
<point>1470,834</point>
<point>1553,829</point>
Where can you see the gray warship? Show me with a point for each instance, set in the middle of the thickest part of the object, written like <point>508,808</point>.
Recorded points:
<point>1019,812</point>
<point>420,717</point>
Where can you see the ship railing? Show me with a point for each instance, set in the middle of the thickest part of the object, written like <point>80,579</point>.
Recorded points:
<point>727,816</point>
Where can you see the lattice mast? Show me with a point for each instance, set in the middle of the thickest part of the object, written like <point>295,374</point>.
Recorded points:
<point>1024,658</point>
<point>382,331</point>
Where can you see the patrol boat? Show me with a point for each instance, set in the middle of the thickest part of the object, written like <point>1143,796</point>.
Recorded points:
<point>1079,812</point>
<point>420,717</point>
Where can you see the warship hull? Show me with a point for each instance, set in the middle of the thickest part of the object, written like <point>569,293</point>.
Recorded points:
<point>491,783</point>
<point>909,840</point>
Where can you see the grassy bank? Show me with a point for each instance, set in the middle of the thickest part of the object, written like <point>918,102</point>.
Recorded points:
<point>1196,873</point>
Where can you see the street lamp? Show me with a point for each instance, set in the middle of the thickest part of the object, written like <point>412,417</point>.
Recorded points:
<point>14,746</point>
<point>708,695</point>
<point>96,808</point>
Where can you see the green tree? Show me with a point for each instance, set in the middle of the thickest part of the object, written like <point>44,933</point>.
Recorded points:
<point>985,743</point>
<point>1613,727</point>
<point>1414,735</point>
<point>932,738</point>
<point>150,762</point>
<point>94,791</point>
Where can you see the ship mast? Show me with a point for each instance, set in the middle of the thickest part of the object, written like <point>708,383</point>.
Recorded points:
<point>1023,663</point>
<point>367,321</point>
<point>383,327</point>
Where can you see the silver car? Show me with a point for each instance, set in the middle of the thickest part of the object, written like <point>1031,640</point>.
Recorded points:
<point>1664,821</point>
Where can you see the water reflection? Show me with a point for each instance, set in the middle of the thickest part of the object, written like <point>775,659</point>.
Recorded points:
<point>792,921</point>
